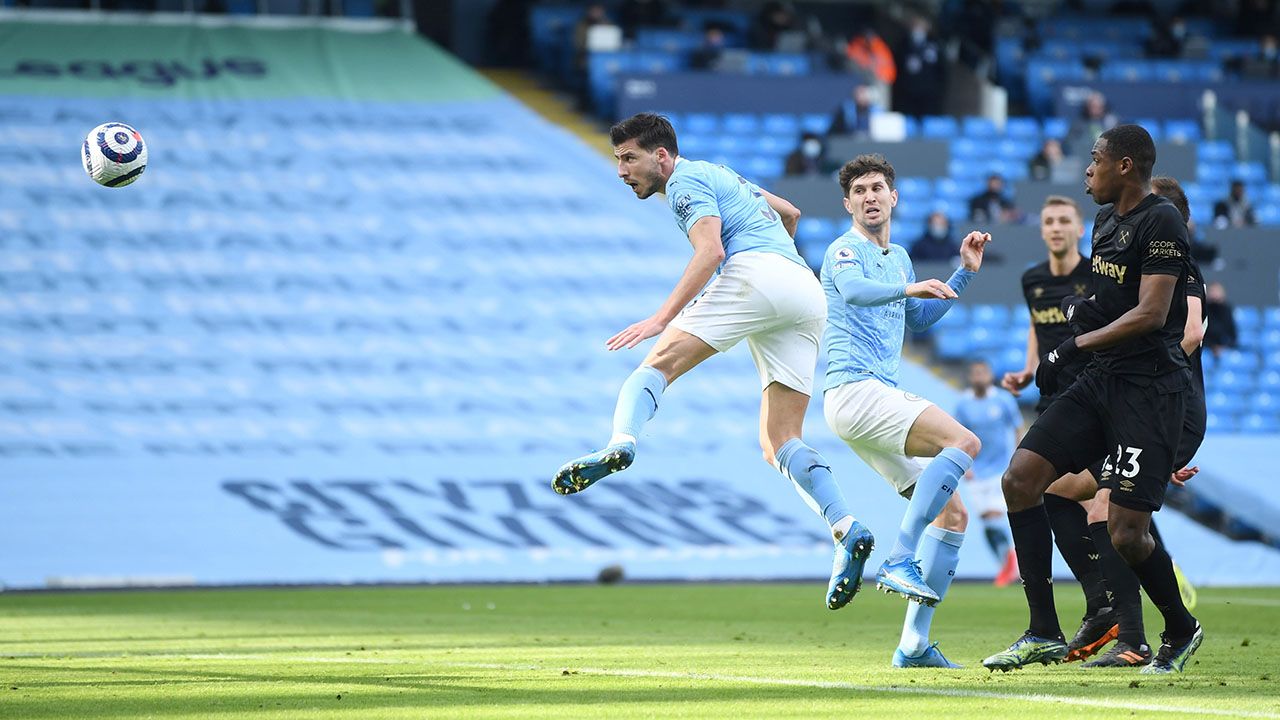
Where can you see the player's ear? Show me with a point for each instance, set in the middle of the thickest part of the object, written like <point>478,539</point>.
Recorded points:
<point>848,207</point>
<point>893,198</point>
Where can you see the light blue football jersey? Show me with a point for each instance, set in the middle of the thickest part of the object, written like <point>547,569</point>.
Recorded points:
<point>698,189</point>
<point>864,342</point>
<point>994,419</point>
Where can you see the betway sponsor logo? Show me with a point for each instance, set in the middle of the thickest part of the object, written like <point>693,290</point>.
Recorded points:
<point>153,73</point>
<point>1106,268</point>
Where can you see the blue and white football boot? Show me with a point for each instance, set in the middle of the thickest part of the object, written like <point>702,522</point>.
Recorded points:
<point>852,552</point>
<point>578,475</point>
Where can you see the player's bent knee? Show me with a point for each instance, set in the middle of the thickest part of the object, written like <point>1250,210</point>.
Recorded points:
<point>969,444</point>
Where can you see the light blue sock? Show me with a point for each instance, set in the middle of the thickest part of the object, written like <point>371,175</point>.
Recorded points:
<point>637,402</point>
<point>939,553</point>
<point>811,475</point>
<point>933,489</point>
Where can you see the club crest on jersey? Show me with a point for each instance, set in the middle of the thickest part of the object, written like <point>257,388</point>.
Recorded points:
<point>1037,292</point>
<point>1081,290</point>
<point>1124,236</point>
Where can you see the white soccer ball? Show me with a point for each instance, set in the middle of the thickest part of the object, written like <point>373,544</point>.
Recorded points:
<point>114,154</point>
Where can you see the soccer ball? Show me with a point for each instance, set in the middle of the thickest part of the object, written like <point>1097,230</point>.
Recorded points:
<point>114,154</point>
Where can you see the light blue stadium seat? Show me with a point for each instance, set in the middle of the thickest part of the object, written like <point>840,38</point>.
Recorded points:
<point>989,315</point>
<point>956,317</point>
<point>1213,173</point>
<point>1182,131</point>
<point>1269,379</point>
<point>707,123</point>
<point>1127,71</point>
<point>778,64</point>
<point>1260,423</point>
<point>657,62</point>
<point>952,345</point>
<point>761,169</point>
<point>1247,316</point>
<point>967,149</point>
<point>817,229</point>
<point>916,188</point>
<point>1230,403</point>
<point>1271,317</point>
<point>1249,172</point>
<point>1056,127</point>
<point>1268,214</point>
<point>1025,128</point>
<point>939,126</point>
<point>1215,151</point>
<point>781,124</point>
<point>1239,360</point>
<point>775,145</point>
<point>667,40</point>
<point>1153,127</point>
<point>912,127</point>
<point>1221,422</point>
<point>740,123</point>
<point>818,123</point>
<point>978,127</point>
<point>696,145</point>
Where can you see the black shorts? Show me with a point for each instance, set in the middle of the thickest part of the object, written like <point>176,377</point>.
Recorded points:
<point>1104,414</point>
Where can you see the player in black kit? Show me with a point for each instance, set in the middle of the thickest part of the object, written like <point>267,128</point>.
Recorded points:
<point>1130,648</point>
<point>1128,402</point>
<point>1044,287</point>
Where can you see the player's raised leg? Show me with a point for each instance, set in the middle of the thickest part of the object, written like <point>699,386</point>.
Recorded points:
<point>952,446</point>
<point>782,412</point>
<point>676,353</point>
<point>938,554</point>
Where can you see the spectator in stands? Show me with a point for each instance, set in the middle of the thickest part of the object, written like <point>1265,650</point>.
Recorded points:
<point>1167,37</point>
<point>596,14</point>
<point>923,77</point>
<point>1042,166</point>
<point>992,205</point>
<point>937,242</point>
<point>1094,118</point>
<point>633,14</point>
<point>853,116</point>
<point>871,55</point>
<point>809,158</point>
<point>1266,64</point>
<point>1235,210</point>
<point>707,56</point>
<point>775,18</point>
<point>1221,332</point>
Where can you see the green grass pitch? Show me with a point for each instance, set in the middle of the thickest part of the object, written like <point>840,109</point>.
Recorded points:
<point>660,651</point>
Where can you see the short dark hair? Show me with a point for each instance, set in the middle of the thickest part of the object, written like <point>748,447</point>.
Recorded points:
<point>865,165</point>
<point>1165,186</point>
<point>649,130</point>
<point>1133,142</point>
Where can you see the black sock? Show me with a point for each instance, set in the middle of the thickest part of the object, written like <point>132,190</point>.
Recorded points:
<point>1033,541</point>
<point>1126,594</point>
<point>1071,533</point>
<point>1157,578</point>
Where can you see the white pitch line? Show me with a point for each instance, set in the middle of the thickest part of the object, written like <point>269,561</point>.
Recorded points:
<point>937,692</point>
<point>713,677</point>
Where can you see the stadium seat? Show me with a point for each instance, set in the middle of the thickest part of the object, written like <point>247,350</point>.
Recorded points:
<point>978,127</point>
<point>1182,131</point>
<point>1247,316</point>
<point>818,123</point>
<point>707,123</point>
<point>781,124</point>
<point>1260,423</point>
<point>1056,127</point>
<point>740,123</point>
<point>1023,128</point>
<point>939,126</point>
<point>1215,151</point>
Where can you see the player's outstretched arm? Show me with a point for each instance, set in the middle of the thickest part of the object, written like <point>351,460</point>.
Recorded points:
<point>789,213</point>
<point>708,253</point>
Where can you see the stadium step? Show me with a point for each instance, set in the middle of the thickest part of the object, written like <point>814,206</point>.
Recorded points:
<point>556,107</point>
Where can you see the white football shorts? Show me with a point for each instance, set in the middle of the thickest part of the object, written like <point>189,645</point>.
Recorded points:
<point>983,495</point>
<point>874,419</point>
<point>774,303</point>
